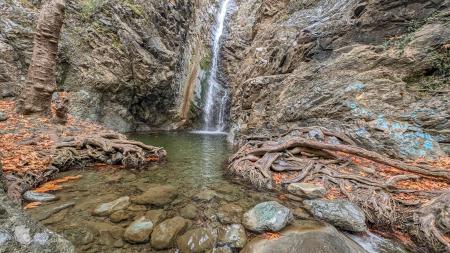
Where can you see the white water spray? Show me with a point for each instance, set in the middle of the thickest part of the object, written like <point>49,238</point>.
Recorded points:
<point>214,113</point>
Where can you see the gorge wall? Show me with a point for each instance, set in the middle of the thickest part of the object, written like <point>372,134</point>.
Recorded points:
<point>131,65</point>
<point>377,70</point>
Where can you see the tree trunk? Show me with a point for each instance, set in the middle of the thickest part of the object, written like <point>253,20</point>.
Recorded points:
<point>41,80</point>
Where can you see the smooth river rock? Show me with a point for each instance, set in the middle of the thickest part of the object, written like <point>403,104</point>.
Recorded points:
<point>189,211</point>
<point>233,236</point>
<point>119,216</point>
<point>267,216</point>
<point>197,240</point>
<point>158,195</point>
<point>156,216</point>
<point>307,190</point>
<point>230,213</point>
<point>307,237</point>
<point>139,231</point>
<point>106,209</point>
<point>340,213</point>
<point>165,234</point>
<point>37,196</point>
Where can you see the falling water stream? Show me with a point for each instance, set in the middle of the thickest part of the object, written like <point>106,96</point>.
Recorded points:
<point>217,96</point>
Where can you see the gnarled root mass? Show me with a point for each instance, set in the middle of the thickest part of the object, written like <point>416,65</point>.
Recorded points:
<point>406,198</point>
<point>108,148</point>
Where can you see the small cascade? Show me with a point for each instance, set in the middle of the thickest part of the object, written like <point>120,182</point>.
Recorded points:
<point>214,112</point>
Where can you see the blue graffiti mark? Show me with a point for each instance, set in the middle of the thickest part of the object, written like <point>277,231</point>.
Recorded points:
<point>409,139</point>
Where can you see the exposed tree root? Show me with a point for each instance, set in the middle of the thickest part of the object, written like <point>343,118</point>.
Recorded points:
<point>393,193</point>
<point>109,148</point>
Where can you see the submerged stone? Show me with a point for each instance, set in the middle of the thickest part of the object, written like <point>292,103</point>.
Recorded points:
<point>232,235</point>
<point>37,196</point>
<point>106,209</point>
<point>158,195</point>
<point>189,211</point>
<point>119,216</point>
<point>267,216</point>
<point>230,213</point>
<point>340,213</point>
<point>139,231</point>
<point>196,241</point>
<point>205,196</point>
<point>155,216</point>
<point>165,234</point>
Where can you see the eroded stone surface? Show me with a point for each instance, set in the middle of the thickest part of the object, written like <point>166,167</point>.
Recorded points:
<point>106,209</point>
<point>158,195</point>
<point>196,241</point>
<point>165,234</point>
<point>340,213</point>
<point>267,216</point>
<point>309,237</point>
<point>307,190</point>
<point>139,231</point>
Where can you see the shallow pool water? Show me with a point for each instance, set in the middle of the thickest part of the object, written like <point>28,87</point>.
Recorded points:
<point>194,164</point>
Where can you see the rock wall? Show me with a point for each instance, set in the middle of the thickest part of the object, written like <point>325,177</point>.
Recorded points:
<point>124,63</point>
<point>376,69</point>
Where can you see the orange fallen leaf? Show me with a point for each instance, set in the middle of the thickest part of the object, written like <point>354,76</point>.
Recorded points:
<point>32,205</point>
<point>53,185</point>
<point>271,236</point>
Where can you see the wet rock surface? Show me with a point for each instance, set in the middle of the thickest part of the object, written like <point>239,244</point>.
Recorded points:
<point>196,241</point>
<point>267,216</point>
<point>340,213</point>
<point>230,213</point>
<point>157,195</point>
<point>189,211</point>
<point>233,236</point>
<point>307,237</point>
<point>106,209</point>
<point>165,234</point>
<point>139,231</point>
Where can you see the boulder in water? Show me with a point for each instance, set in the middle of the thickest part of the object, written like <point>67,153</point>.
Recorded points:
<point>306,237</point>
<point>156,216</point>
<point>139,231</point>
<point>340,213</point>
<point>165,234</point>
<point>158,195</point>
<point>267,216</point>
<point>106,209</point>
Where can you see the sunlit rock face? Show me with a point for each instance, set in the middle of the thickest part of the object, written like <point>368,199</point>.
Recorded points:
<point>352,66</point>
<point>131,65</point>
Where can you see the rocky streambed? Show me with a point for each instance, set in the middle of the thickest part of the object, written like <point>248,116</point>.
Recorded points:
<point>186,205</point>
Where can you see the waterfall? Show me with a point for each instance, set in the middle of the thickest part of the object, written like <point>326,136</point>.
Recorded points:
<point>214,112</point>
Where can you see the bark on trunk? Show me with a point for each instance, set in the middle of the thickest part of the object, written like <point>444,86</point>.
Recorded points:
<point>41,80</point>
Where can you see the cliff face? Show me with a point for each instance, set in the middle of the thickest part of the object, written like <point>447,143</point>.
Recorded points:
<point>376,69</point>
<point>125,64</point>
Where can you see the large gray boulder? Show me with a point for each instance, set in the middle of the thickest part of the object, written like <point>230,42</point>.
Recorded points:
<point>19,233</point>
<point>307,237</point>
<point>267,216</point>
<point>340,213</point>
